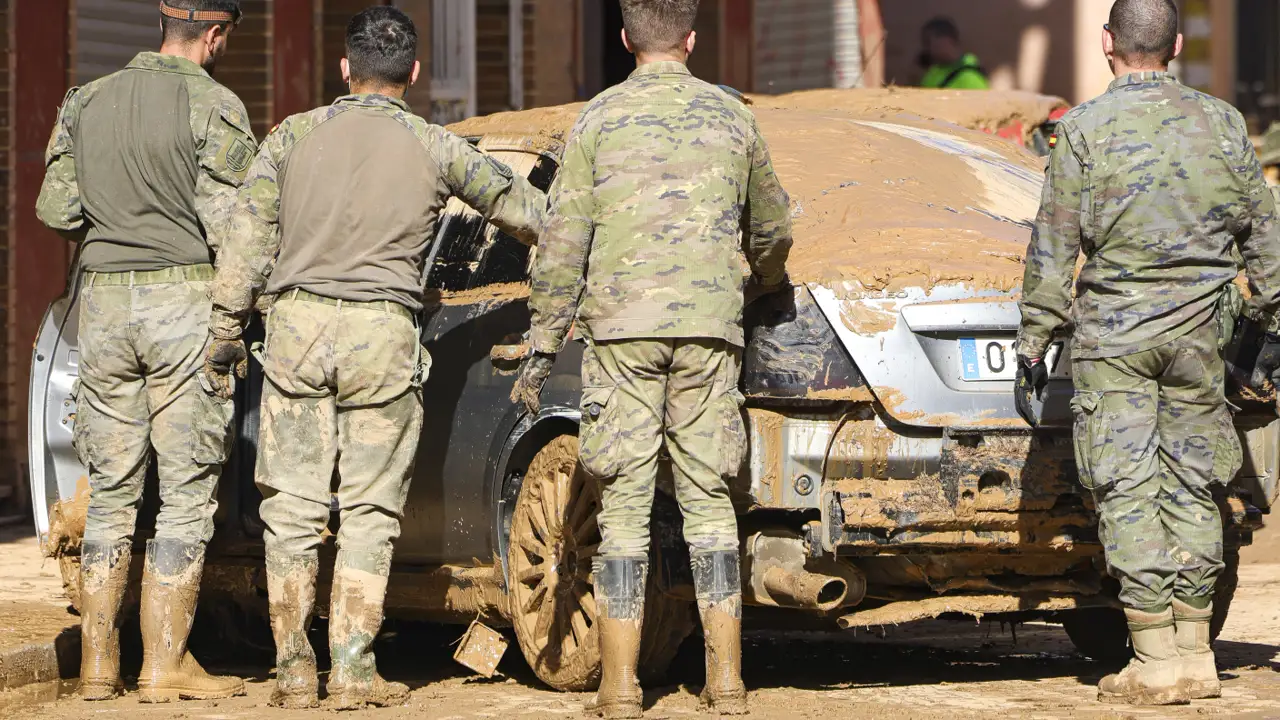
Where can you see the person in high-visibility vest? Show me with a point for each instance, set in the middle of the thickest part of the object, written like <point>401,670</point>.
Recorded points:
<point>947,64</point>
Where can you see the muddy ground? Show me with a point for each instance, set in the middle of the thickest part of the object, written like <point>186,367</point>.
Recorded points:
<point>936,669</point>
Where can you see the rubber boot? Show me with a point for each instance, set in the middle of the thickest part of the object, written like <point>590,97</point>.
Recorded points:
<point>1154,676</point>
<point>104,574</point>
<point>1191,626</point>
<point>291,587</point>
<point>619,594</point>
<point>355,618</point>
<point>718,586</point>
<point>170,585</point>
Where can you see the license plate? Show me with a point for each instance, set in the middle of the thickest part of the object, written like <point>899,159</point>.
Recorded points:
<point>994,359</point>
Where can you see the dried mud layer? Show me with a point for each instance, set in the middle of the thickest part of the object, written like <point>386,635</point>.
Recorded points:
<point>880,200</point>
<point>948,670</point>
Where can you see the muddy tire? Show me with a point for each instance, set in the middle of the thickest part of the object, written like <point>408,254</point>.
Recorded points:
<point>1102,634</point>
<point>553,538</point>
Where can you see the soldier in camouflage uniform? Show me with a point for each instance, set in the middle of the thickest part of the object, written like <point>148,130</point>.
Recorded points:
<point>1157,184</point>
<point>665,181</point>
<point>143,168</point>
<point>334,221</point>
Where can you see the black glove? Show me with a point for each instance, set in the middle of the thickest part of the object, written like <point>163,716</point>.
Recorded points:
<point>534,372</point>
<point>1033,376</point>
<point>1267,367</point>
<point>223,358</point>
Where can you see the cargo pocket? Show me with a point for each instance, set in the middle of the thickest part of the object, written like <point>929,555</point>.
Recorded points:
<point>731,441</point>
<point>1090,431</point>
<point>598,435</point>
<point>211,428</point>
<point>80,426</point>
<point>1228,456</point>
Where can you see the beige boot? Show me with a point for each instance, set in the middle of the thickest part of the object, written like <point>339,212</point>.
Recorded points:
<point>355,619</point>
<point>291,587</point>
<point>104,574</point>
<point>718,586</point>
<point>1198,666</point>
<point>619,594</point>
<point>170,584</point>
<point>1154,676</point>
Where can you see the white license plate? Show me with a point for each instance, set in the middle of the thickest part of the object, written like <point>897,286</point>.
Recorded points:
<point>994,359</point>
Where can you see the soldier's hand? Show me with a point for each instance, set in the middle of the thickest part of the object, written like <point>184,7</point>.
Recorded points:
<point>1267,368</point>
<point>224,358</point>
<point>1033,376</point>
<point>534,372</point>
<point>756,289</point>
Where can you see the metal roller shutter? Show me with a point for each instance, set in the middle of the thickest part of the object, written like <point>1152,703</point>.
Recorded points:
<point>108,33</point>
<point>12,399</point>
<point>802,44</point>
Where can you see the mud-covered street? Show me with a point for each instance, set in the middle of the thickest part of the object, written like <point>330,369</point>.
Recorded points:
<point>935,669</point>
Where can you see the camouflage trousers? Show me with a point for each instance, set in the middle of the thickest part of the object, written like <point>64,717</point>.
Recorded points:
<point>142,340</point>
<point>641,395</point>
<point>1152,434</point>
<point>342,393</point>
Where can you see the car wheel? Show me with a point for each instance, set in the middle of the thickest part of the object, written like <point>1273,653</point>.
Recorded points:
<point>554,535</point>
<point>1102,633</point>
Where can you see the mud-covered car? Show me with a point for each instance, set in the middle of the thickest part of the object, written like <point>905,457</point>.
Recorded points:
<point>1026,118</point>
<point>889,477</point>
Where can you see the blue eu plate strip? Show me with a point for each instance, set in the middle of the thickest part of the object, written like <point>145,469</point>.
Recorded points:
<point>969,359</point>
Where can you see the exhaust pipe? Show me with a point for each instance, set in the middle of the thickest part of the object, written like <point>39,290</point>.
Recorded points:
<point>776,576</point>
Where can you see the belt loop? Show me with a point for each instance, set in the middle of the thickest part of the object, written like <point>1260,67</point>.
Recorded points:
<point>131,276</point>
<point>293,294</point>
<point>339,304</point>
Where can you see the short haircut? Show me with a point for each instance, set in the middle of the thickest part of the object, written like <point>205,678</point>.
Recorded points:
<point>1145,30</point>
<point>382,45</point>
<point>185,31</point>
<point>658,25</point>
<point>942,27</point>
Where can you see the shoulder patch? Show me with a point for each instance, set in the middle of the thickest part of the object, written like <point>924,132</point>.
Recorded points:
<point>1053,141</point>
<point>239,155</point>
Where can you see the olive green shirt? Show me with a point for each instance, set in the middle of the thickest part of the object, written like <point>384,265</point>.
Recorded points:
<point>145,164</point>
<point>343,201</point>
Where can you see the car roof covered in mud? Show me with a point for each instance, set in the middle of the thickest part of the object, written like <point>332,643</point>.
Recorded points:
<point>881,203</point>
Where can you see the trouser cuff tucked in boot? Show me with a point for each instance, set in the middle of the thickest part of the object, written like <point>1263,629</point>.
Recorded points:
<point>1192,627</point>
<point>718,587</point>
<point>291,587</point>
<point>355,619</point>
<point>1154,676</point>
<point>104,575</point>
<point>170,586</point>
<point>619,595</point>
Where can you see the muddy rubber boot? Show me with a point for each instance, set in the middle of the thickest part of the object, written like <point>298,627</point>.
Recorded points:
<point>1199,669</point>
<point>619,594</point>
<point>355,618</point>
<point>291,587</point>
<point>1154,676</point>
<point>104,574</point>
<point>170,585</point>
<point>718,586</point>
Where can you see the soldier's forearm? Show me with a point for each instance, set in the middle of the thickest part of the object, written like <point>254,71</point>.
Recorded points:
<point>521,211</point>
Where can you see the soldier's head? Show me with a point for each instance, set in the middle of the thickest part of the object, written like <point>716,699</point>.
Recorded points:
<point>382,51</point>
<point>198,29</point>
<point>1141,35</point>
<point>659,29</point>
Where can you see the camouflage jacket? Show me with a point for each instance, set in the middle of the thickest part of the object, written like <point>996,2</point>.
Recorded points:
<point>342,201</point>
<point>132,197</point>
<point>662,175</point>
<point>1157,184</point>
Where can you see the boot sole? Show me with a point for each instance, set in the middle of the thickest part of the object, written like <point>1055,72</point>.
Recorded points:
<point>170,694</point>
<point>94,693</point>
<point>733,707</point>
<point>618,712</point>
<point>1172,696</point>
<point>1204,691</point>
<point>340,702</point>
<point>294,701</point>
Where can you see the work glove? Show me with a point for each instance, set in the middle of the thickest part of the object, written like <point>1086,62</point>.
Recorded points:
<point>1033,376</point>
<point>224,358</point>
<point>1267,368</point>
<point>534,372</point>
